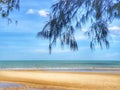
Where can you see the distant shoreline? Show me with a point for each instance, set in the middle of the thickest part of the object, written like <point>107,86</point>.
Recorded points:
<point>63,66</point>
<point>101,70</point>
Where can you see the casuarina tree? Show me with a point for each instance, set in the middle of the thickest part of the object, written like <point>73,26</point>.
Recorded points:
<point>68,16</point>
<point>7,6</point>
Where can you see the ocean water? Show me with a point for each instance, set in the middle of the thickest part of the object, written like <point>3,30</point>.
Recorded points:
<point>63,65</point>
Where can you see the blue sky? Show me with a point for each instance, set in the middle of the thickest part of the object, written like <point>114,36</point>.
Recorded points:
<point>19,42</point>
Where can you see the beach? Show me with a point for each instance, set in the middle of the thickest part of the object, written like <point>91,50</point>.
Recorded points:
<point>49,80</point>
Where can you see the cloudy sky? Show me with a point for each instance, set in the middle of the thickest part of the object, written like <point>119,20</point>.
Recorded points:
<point>19,42</point>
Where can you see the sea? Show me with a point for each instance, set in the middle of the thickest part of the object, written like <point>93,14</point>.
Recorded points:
<point>62,65</point>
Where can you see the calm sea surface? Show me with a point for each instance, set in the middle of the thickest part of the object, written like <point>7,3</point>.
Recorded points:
<point>63,65</point>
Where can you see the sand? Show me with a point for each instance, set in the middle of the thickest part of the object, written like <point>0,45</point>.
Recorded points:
<point>46,80</point>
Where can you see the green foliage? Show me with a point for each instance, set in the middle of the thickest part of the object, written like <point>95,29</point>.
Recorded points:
<point>7,6</point>
<point>67,16</point>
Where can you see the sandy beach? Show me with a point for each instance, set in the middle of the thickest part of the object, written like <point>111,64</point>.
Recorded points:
<point>46,80</point>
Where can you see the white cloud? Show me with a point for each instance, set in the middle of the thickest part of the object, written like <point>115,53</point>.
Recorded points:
<point>84,30</point>
<point>80,37</point>
<point>114,28</point>
<point>30,11</point>
<point>43,13</point>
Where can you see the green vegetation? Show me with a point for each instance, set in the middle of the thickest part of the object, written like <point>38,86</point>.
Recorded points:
<point>7,6</point>
<point>99,13</point>
<point>68,16</point>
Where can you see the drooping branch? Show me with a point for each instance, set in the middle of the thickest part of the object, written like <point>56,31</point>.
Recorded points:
<point>7,6</point>
<point>69,15</point>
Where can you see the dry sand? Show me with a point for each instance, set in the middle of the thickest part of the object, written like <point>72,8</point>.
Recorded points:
<point>45,80</point>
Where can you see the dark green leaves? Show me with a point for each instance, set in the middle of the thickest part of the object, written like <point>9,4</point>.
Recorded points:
<point>98,34</point>
<point>7,6</point>
<point>67,16</point>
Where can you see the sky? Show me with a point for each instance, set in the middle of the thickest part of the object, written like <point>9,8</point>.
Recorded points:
<point>19,42</point>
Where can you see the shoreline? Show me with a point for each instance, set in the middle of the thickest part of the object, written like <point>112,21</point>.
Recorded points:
<point>93,70</point>
<point>62,80</point>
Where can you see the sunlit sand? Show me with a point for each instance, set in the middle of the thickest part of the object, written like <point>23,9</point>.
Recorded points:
<point>46,80</point>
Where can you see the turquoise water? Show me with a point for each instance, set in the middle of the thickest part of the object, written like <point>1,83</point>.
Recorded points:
<point>59,65</point>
